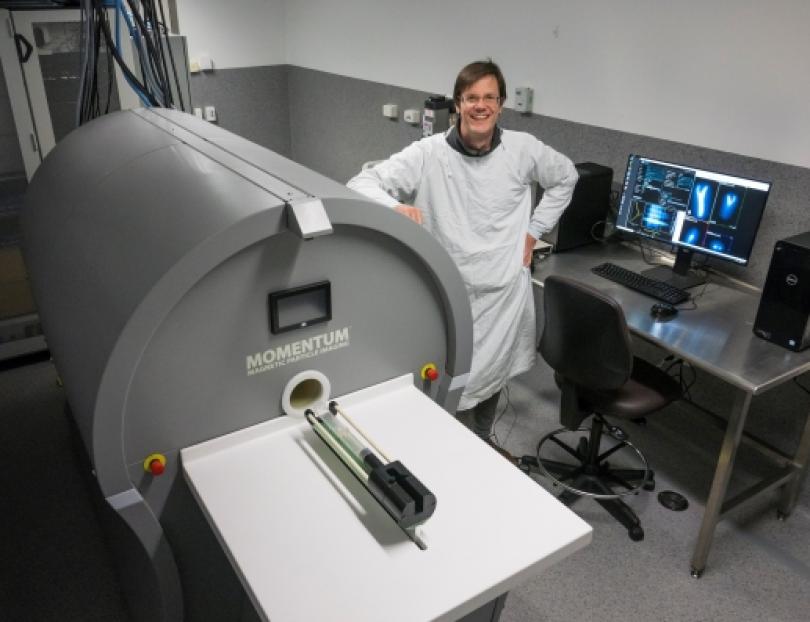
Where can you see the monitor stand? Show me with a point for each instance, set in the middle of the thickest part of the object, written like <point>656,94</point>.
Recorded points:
<point>679,275</point>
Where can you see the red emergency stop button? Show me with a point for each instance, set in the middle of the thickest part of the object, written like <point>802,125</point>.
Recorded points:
<point>430,372</point>
<point>155,464</point>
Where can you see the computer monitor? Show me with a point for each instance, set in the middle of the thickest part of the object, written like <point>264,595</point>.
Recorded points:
<point>696,210</point>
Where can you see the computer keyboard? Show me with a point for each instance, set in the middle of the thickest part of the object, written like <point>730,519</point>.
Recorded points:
<point>634,280</point>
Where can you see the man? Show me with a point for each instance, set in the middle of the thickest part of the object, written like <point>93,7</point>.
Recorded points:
<point>471,188</point>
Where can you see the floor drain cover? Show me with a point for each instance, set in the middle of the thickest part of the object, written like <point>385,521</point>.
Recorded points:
<point>672,500</point>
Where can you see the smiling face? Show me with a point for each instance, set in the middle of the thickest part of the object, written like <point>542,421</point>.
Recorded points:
<point>479,109</point>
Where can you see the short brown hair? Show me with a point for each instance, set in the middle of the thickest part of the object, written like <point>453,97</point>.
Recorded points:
<point>473,72</point>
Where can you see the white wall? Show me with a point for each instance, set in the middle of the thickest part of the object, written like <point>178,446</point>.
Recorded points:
<point>724,74</point>
<point>239,33</point>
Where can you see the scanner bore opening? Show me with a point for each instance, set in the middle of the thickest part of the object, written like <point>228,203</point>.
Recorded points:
<point>306,393</point>
<point>307,389</point>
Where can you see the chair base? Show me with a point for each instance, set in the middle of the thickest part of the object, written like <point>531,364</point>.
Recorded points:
<point>591,475</point>
<point>617,508</point>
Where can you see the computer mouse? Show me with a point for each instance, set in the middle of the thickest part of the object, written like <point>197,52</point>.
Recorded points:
<point>663,310</point>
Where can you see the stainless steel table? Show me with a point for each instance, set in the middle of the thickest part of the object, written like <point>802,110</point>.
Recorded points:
<point>717,338</point>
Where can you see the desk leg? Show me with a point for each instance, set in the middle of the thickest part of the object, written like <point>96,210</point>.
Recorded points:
<point>790,493</point>
<point>722,475</point>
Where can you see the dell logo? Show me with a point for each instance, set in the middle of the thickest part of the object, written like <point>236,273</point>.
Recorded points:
<point>791,279</point>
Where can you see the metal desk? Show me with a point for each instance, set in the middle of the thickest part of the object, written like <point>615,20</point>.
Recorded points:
<point>717,337</point>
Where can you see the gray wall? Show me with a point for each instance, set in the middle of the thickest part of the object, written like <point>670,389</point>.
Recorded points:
<point>337,124</point>
<point>252,102</point>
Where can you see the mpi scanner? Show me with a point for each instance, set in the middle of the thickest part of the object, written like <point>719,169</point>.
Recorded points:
<point>199,295</point>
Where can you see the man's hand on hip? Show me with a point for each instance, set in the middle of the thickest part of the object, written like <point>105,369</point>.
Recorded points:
<point>528,248</point>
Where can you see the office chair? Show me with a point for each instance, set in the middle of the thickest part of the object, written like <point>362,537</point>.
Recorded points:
<point>586,341</point>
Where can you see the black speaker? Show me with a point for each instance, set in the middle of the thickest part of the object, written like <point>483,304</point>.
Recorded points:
<point>784,309</point>
<point>589,206</point>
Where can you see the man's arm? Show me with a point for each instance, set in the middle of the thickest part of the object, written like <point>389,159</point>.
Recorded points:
<point>558,176</point>
<point>389,181</point>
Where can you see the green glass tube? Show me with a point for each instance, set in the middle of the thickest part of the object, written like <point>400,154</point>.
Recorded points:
<point>348,441</point>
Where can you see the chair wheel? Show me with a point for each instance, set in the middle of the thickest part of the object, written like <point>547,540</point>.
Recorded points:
<point>649,485</point>
<point>528,463</point>
<point>636,533</point>
<point>696,574</point>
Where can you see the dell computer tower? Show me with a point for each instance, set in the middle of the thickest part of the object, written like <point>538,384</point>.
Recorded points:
<point>784,309</point>
<point>589,206</point>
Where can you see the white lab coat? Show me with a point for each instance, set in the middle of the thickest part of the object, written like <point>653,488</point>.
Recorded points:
<point>478,209</point>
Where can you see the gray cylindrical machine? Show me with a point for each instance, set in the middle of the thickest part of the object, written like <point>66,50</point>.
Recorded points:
<point>184,275</point>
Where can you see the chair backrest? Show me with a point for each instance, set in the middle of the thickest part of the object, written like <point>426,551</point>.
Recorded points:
<point>585,337</point>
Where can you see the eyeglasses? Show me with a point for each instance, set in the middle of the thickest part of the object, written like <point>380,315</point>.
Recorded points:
<point>474,100</point>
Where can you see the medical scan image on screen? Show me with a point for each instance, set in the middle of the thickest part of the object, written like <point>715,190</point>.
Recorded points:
<point>704,211</point>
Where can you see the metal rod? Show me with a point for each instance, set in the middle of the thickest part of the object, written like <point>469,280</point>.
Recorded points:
<point>411,533</point>
<point>774,453</point>
<point>775,481</point>
<point>359,430</point>
<point>322,431</point>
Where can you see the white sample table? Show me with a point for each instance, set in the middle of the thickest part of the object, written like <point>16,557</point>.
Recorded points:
<point>310,543</point>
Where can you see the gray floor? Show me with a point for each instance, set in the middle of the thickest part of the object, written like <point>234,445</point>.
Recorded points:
<point>758,569</point>
<point>56,567</point>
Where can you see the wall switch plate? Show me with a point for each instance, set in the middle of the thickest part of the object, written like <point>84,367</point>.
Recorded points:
<point>210,114</point>
<point>198,112</point>
<point>391,111</point>
<point>205,62</point>
<point>523,99</point>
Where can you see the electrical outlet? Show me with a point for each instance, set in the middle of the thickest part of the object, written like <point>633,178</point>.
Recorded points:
<point>412,116</point>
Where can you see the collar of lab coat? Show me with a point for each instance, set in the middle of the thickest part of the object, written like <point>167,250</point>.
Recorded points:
<point>453,138</point>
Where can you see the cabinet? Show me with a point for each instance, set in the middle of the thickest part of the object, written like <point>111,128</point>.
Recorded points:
<point>40,54</point>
